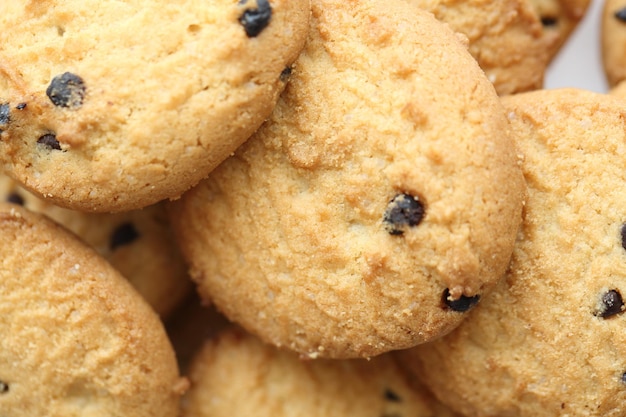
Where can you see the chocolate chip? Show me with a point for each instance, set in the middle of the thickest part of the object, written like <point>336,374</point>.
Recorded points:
<point>49,140</point>
<point>255,20</point>
<point>623,235</point>
<point>66,90</point>
<point>4,387</point>
<point>123,235</point>
<point>623,378</point>
<point>15,198</point>
<point>461,304</point>
<point>21,106</point>
<point>403,210</point>
<point>392,396</point>
<point>285,74</point>
<point>621,14</point>
<point>549,21</point>
<point>5,113</point>
<point>611,303</point>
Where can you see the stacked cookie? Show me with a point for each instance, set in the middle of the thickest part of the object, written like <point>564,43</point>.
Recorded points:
<point>319,207</point>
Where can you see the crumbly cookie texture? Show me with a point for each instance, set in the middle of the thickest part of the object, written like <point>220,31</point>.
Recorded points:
<point>613,41</point>
<point>111,106</point>
<point>77,340</point>
<point>139,243</point>
<point>379,202</point>
<point>560,18</point>
<point>506,37</point>
<point>549,340</point>
<point>235,374</point>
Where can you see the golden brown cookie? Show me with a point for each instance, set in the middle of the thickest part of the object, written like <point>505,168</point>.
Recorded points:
<point>139,243</point>
<point>111,106</point>
<point>550,339</point>
<point>237,375</point>
<point>77,339</point>
<point>506,37</point>
<point>377,204</point>
<point>613,37</point>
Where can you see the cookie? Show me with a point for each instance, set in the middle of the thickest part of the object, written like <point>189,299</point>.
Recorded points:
<point>506,37</point>
<point>550,340</point>
<point>235,374</point>
<point>109,106</point>
<point>560,18</point>
<point>139,243</point>
<point>77,339</point>
<point>378,203</point>
<point>613,41</point>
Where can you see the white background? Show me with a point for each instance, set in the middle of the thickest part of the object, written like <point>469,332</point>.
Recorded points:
<point>579,64</point>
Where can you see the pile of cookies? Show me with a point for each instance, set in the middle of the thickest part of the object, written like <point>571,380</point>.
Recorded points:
<point>308,208</point>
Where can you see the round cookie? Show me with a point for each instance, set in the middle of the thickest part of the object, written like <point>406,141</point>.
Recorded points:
<point>560,18</point>
<point>505,36</point>
<point>77,340</point>
<point>550,339</point>
<point>237,375</point>
<point>110,106</point>
<point>377,204</point>
<point>613,39</point>
<point>138,243</point>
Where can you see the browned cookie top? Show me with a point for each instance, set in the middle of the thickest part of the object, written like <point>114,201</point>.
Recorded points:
<point>77,340</point>
<point>550,340</point>
<point>111,106</point>
<point>377,204</point>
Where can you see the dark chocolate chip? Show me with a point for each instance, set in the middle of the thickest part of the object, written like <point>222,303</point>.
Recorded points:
<point>123,235</point>
<point>5,113</point>
<point>49,140</point>
<point>549,21</point>
<point>392,396</point>
<point>4,387</point>
<point>21,106</point>
<point>623,378</point>
<point>15,198</point>
<point>285,74</point>
<point>623,235</point>
<point>255,20</point>
<point>611,304</point>
<point>621,14</point>
<point>462,304</point>
<point>66,90</point>
<point>403,210</point>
